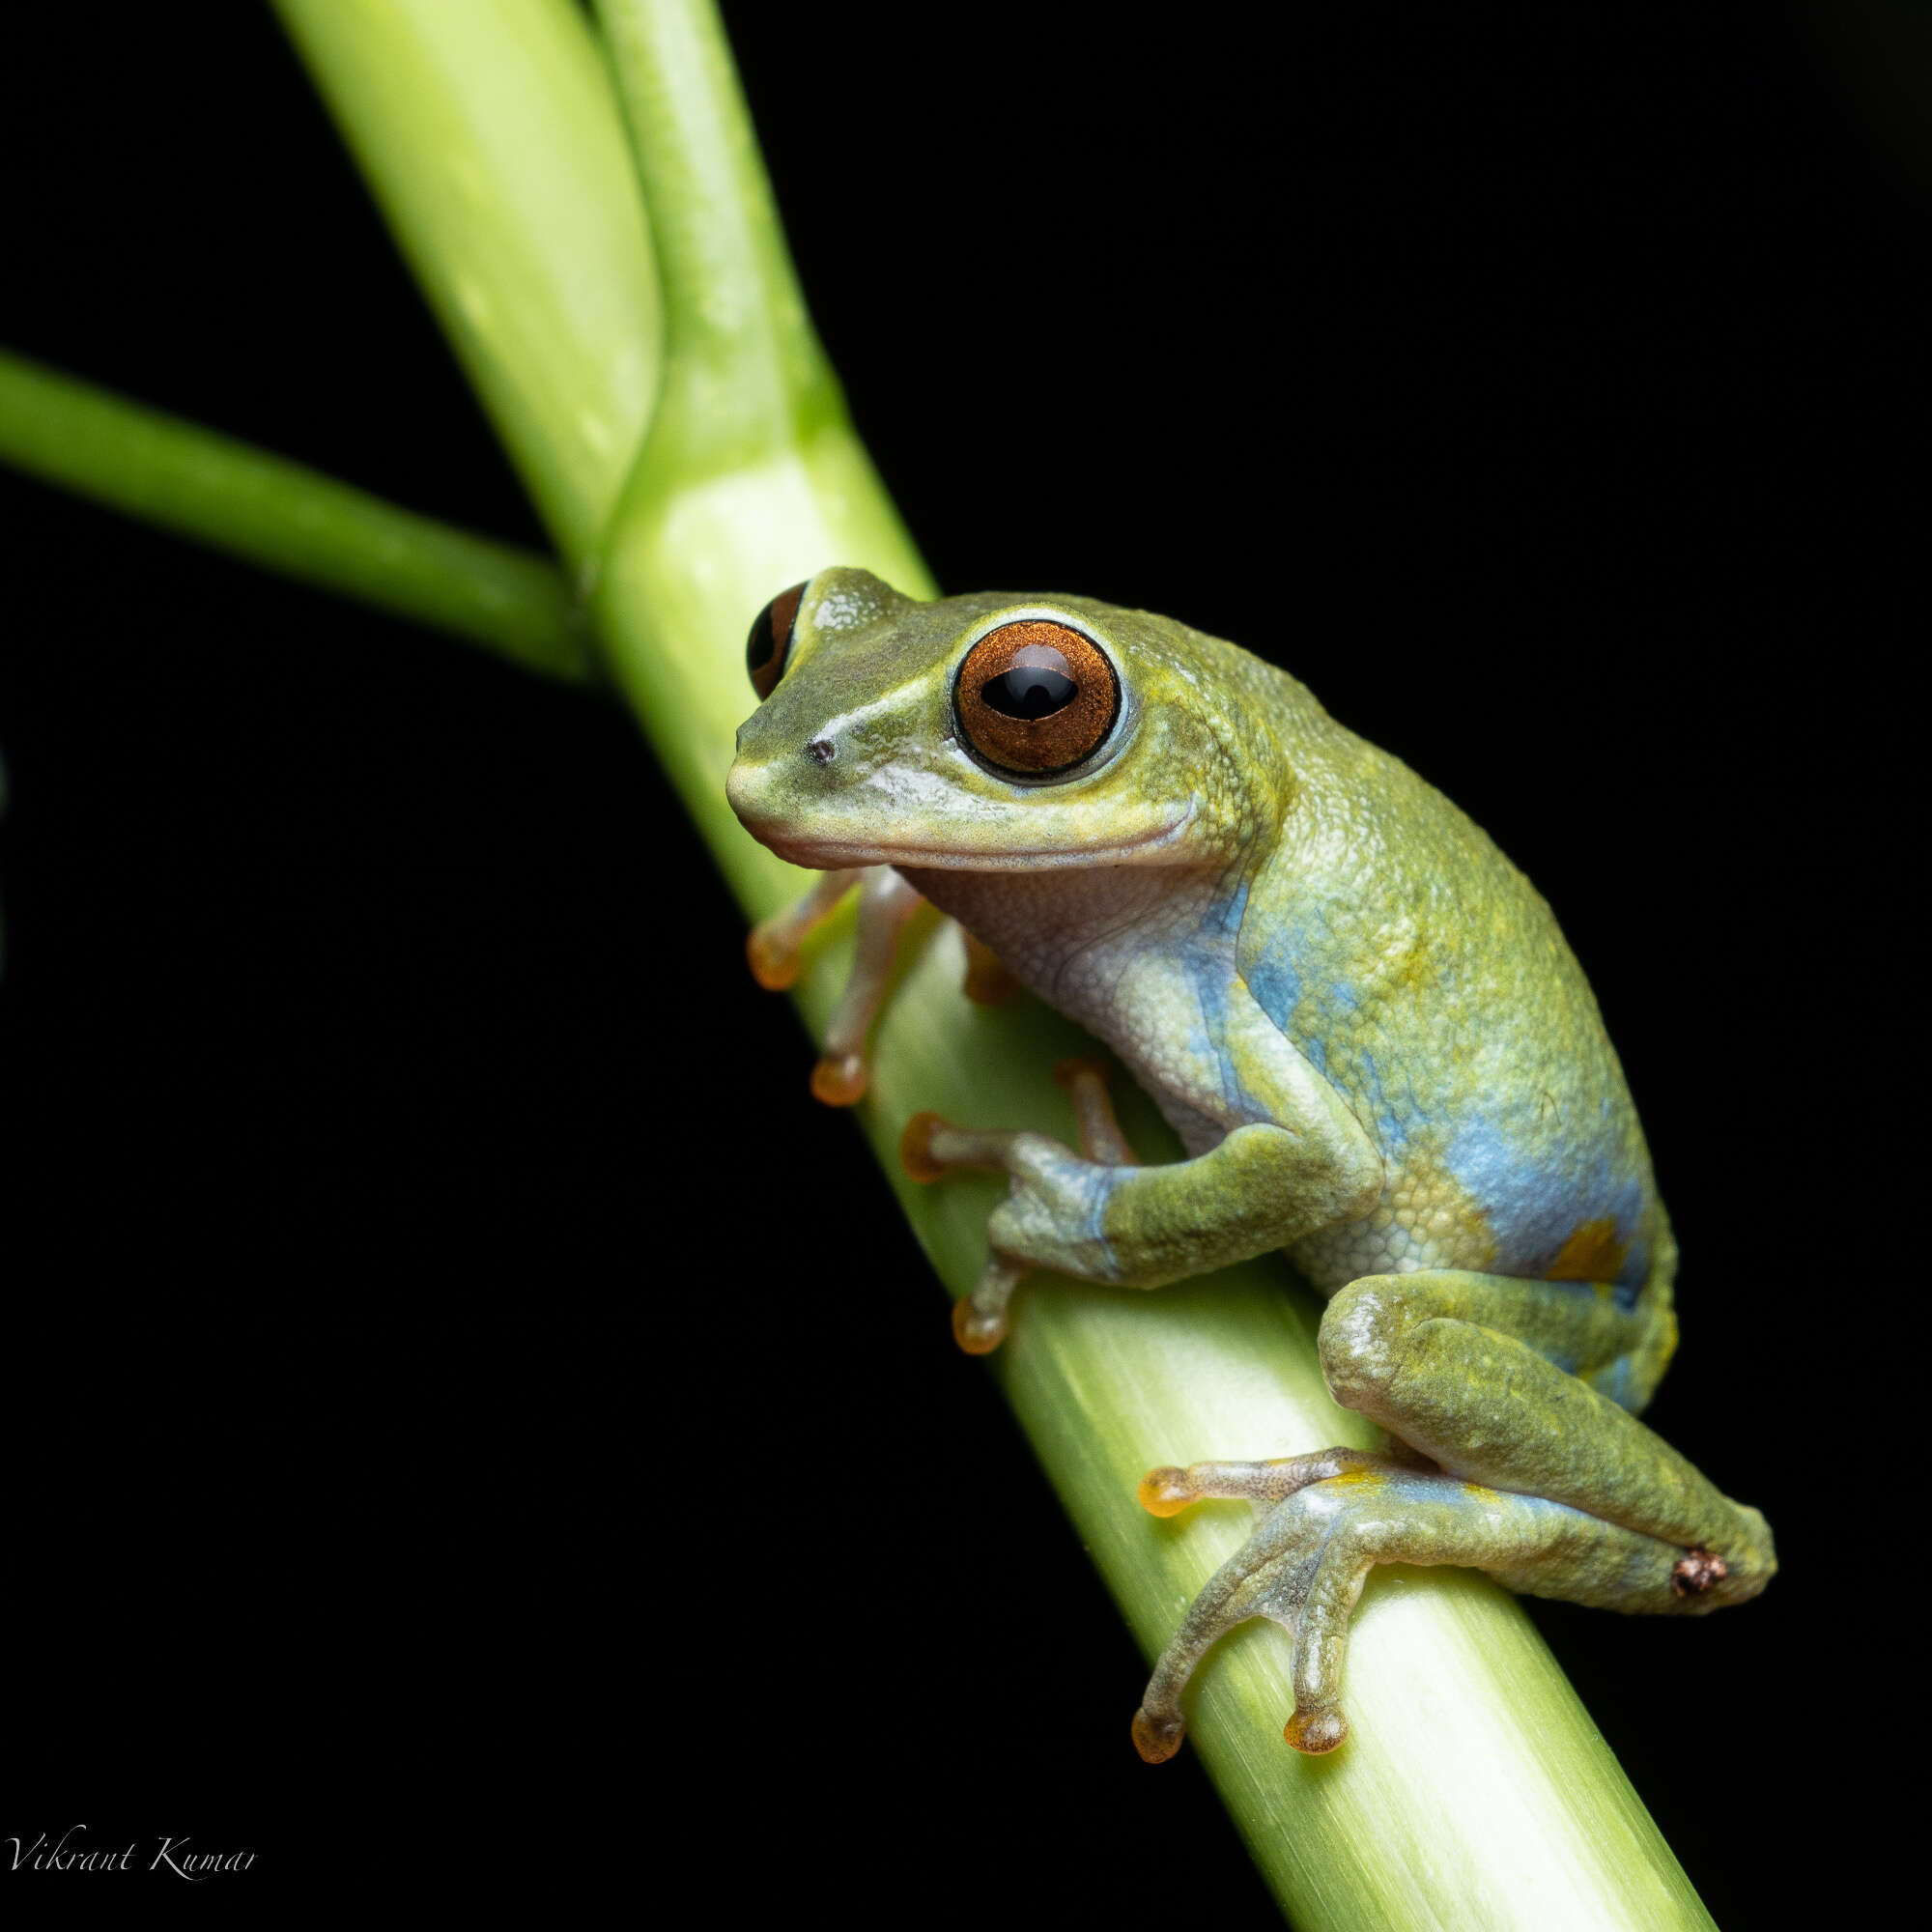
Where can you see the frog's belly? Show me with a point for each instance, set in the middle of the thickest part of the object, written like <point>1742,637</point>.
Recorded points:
<point>1393,1239</point>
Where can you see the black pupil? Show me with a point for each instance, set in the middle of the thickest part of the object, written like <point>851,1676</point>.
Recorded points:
<point>1032,690</point>
<point>762,642</point>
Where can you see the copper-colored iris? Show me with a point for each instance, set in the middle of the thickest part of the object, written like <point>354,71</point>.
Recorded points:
<point>1036,697</point>
<point>770,642</point>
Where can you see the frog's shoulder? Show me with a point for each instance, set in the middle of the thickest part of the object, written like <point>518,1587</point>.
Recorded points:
<point>1375,876</point>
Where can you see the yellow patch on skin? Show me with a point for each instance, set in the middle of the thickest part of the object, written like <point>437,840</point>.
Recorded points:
<point>1591,1253</point>
<point>1480,1494</point>
<point>1358,1479</point>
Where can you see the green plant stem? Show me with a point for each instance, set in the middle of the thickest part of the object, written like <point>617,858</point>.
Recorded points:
<point>750,473</point>
<point>288,518</point>
<point>487,132</point>
<point>1474,1791</point>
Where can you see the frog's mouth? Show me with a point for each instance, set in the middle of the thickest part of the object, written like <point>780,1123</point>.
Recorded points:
<point>828,854</point>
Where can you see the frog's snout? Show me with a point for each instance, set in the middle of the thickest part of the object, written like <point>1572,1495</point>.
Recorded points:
<point>750,793</point>
<point>773,797</point>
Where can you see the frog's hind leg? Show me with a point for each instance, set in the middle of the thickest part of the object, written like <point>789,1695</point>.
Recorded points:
<point>1529,1385</point>
<point>1545,1480</point>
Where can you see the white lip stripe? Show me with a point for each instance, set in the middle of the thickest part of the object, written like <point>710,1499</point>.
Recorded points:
<point>825,854</point>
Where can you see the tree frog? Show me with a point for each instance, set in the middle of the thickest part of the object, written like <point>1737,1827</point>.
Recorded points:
<point>1361,1020</point>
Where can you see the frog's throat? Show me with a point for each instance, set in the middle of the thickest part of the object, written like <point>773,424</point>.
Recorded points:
<point>836,853</point>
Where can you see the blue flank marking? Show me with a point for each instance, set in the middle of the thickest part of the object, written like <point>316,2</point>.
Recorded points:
<point>1206,963</point>
<point>1390,1132</point>
<point>1233,910</point>
<point>1533,1209</point>
<point>1535,1193</point>
<point>1618,1382</point>
<point>1275,983</point>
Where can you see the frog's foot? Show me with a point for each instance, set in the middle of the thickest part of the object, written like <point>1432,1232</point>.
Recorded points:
<point>1326,1520</point>
<point>932,1148</point>
<point>885,903</point>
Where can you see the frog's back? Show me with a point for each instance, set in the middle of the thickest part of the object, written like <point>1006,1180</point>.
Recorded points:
<point>1427,979</point>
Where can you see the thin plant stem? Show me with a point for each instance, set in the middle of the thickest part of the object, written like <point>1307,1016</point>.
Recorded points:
<point>288,518</point>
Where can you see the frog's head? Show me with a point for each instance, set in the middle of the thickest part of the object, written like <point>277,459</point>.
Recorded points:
<point>984,733</point>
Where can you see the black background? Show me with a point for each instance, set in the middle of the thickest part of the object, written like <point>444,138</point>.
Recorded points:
<point>434,1306</point>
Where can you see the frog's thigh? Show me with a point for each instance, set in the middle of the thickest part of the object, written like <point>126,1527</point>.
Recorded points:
<point>1473,1370</point>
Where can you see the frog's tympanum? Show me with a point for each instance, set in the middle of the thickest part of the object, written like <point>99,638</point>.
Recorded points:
<point>1366,1029</point>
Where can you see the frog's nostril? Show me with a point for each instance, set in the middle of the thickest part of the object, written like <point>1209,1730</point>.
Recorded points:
<point>821,751</point>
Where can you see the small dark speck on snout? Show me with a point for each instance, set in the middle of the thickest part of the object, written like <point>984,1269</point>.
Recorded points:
<point>820,750</point>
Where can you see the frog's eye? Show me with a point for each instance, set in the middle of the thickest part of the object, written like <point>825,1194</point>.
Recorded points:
<point>770,642</point>
<point>1035,698</point>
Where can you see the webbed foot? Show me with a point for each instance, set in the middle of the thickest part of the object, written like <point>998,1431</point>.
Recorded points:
<point>1326,1520</point>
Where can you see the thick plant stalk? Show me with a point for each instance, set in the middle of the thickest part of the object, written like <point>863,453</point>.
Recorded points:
<point>289,518</point>
<point>1474,1790</point>
<point>487,132</point>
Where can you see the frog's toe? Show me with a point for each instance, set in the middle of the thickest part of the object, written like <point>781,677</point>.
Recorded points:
<point>1157,1739</point>
<point>840,1079</point>
<point>1268,1576</point>
<point>885,903</point>
<point>1167,1491</point>
<point>773,955</point>
<point>915,1153</point>
<point>932,1148</point>
<point>980,1318</point>
<point>1316,1732</point>
<point>774,947</point>
<point>1085,1081</point>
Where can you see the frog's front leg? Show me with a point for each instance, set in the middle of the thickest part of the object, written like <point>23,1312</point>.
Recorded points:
<point>1513,1387</point>
<point>1299,1161</point>
<point>886,901</point>
<point>774,949</point>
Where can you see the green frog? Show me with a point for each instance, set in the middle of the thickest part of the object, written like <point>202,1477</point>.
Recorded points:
<point>1366,1028</point>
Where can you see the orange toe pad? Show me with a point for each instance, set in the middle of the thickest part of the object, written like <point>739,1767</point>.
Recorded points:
<point>915,1148</point>
<point>1157,1739</point>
